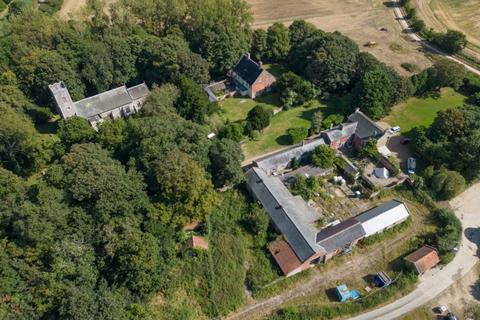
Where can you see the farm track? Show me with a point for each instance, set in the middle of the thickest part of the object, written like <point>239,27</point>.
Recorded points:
<point>261,308</point>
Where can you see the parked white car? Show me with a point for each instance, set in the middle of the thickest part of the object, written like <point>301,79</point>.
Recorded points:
<point>393,130</point>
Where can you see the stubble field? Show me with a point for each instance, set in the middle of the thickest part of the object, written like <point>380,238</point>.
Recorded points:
<point>462,15</point>
<point>361,20</point>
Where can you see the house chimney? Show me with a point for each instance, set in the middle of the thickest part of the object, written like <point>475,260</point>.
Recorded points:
<point>357,110</point>
<point>260,64</point>
<point>247,55</point>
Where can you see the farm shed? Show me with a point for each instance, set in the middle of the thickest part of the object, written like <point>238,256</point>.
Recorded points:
<point>383,217</point>
<point>424,259</point>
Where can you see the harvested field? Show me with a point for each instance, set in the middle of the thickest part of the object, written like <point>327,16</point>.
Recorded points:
<point>462,15</point>
<point>359,19</point>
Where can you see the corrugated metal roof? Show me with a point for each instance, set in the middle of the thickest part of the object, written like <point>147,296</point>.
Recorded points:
<point>290,214</point>
<point>341,235</point>
<point>383,216</point>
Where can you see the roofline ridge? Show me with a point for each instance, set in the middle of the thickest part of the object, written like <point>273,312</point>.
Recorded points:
<point>101,93</point>
<point>282,208</point>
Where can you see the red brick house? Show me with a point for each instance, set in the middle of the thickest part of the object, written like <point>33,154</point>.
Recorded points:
<point>250,78</point>
<point>358,130</point>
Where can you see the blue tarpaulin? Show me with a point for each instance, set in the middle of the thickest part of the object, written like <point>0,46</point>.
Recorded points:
<point>344,294</point>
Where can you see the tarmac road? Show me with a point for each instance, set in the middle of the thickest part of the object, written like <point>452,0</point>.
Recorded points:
<point>467,208</point>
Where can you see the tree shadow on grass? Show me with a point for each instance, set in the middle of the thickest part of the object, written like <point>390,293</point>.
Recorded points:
<point>271,99</point>
<point>283,140</point>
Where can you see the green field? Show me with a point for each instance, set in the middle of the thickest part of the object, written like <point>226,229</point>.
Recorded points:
<point>422,111</point>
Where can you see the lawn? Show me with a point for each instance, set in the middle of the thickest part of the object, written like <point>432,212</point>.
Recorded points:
<point>422,111</point>
<point>236,109</point>
<point>274,136</point>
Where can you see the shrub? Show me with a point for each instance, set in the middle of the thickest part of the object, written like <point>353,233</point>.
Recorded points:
<point>259,118</point>
<point>233,131</point>
<point>370,150</point>
<point>418,25</point>
<point>254,135</point>
<point>332,120</point>
<point>323,156</point>
<point>446,184</point>
<point>261,272</point>
<point>449,232</point>
<point>410,67</point>
<point>297,135</point>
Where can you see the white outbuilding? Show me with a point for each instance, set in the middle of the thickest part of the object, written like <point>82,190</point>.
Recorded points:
<point>381,173</point>
<point>383,217</point>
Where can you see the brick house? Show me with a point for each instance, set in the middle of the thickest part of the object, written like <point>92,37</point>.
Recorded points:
<point>358,130</point>
<point>250,78</point>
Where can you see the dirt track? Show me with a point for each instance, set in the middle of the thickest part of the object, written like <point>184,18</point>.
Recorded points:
<point>354,267</point>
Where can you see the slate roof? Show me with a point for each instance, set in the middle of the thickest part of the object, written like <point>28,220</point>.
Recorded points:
<point>424,258</point>
<point>110,100</point>
<point>282,158</point>
<point>290,214</point>
<point>342,131</point>
<point>248,70</point>
<point>340,236</point>
<point>139,91</point>
<point>366,127</point>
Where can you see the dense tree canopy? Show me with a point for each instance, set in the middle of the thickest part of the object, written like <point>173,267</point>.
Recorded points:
<point>454,135</point>
<point>326,59</point>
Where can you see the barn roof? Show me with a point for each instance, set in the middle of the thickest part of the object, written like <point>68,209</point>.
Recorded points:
<point>284,157</point>
<point>341,235</point>
<point>424,258</point>
<point>290,214</point>
<point>383,216</point>
<point>284,255</point>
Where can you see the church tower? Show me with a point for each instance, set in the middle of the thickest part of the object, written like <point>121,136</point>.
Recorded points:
<point>65,105</point>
